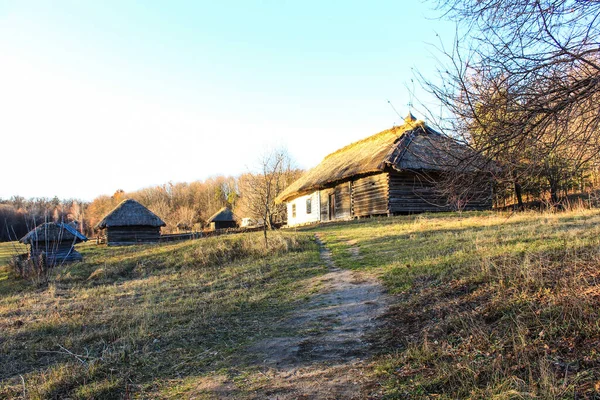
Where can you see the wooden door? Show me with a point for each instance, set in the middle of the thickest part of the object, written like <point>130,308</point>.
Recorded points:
<point>332,206</point>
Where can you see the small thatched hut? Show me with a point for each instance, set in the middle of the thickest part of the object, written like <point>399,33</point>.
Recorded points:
<point>131,223</point>
<point>222,219</point>
<point>396,171</point>
<point>55,242</point>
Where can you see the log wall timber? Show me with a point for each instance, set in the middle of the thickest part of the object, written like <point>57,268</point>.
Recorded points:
<point>222,225</point>
<point>370,195</point>
<point>324,204</point>
<point>412,192</point>
<point>55,253</point>
<point>126,235</point>
<point>343,203</point>
<point>394,193</point>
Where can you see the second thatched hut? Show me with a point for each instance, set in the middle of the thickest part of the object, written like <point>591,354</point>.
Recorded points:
<point>222,219</point>
<point>131,223</point>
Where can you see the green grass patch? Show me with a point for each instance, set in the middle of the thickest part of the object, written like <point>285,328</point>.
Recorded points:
<point>10,249</point>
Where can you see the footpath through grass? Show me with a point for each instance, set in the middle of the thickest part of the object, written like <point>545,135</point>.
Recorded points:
<point>487,305</point>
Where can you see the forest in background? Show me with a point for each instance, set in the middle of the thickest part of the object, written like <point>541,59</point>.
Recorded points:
<point>183,206</point>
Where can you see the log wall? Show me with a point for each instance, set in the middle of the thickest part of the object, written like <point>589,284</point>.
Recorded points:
<point>413,193</point>
<point>222,225</point>
<point>370,195</point>
<point>126,235</point>
<point>343,202</point>
<point>393,193</point>
<point>55,253</point>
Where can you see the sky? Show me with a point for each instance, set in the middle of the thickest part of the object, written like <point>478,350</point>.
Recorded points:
<point>97,96</point>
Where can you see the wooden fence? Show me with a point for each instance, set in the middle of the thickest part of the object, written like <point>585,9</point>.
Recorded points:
<point>173,237</point>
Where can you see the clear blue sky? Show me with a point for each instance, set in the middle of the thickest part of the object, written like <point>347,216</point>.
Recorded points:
<point>97,96</point>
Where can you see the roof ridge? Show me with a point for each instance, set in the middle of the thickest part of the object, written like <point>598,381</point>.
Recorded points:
<point>404,141</point>
<point>399,130</point>
<point>401,147</point>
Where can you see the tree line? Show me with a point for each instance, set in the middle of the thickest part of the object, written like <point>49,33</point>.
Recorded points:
<point>183,206</point>
<point>19,215</point>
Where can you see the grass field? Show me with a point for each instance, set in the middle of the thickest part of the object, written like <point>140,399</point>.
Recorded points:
<point>10,249</point>
<point>144,319</point>
<point>485,305</point>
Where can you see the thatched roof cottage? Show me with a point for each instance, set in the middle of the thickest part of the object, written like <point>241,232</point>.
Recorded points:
<point>222,219</point>
<point>391,172</point>
<point>55,241</point>
<point>131,223</point>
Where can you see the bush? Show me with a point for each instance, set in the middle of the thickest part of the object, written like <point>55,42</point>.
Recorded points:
<point>34,270</point>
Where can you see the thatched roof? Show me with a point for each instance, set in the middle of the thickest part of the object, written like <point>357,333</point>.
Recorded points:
<point>223,215</point>
<point>411,146</point>
<point>130,213</point>
<point>53,232</point>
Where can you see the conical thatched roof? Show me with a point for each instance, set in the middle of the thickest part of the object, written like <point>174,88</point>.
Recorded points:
<point>53,232</point>
<point>223,215</point>
<point>411,146</point>
<point>130,213</point>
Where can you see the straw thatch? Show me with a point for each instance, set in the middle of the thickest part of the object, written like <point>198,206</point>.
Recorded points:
<point>222,219</point>
<point>130,213</point>
<point>411,146</point>
<point>53,232</point>
<point>223,215</point>
<point>53,243</point>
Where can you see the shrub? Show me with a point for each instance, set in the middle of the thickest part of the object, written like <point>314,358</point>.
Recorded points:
<point>34,270</point>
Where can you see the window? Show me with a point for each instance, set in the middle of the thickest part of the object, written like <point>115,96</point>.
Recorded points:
<point>309,206</point>
<point>293,210</point>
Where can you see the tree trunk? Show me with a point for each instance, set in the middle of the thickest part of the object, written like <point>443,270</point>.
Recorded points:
<point>553,190</point>
<point>519,194</point>
<point>265,233</point>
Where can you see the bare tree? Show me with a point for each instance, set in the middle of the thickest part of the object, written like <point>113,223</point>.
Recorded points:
<point>260,188</point>
<point>521,86</point>
<point>185,218</point>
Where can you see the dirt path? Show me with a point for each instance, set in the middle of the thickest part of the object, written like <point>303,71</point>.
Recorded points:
<point>326,360</point>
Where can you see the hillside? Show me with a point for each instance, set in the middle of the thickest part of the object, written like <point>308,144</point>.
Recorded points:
<point>478,305</point>
<point>487,305</point>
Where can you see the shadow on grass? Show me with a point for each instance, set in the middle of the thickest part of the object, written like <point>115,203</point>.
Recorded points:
<point>521,322</point>
<point>10,284</point>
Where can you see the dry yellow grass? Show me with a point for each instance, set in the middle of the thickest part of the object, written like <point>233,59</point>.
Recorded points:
<point>485,305</point>
<point>136,320</point>
<point>10,249</point>
<point>488,305</point>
